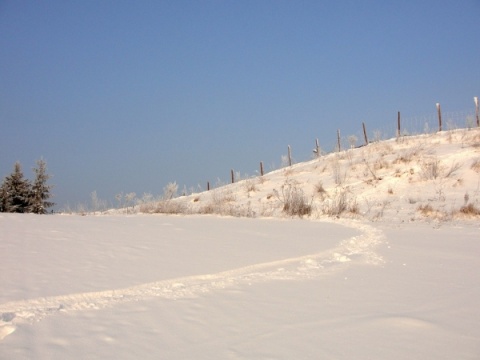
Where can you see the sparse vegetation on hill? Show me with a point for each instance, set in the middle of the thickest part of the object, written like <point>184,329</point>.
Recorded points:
<point>431,176</point>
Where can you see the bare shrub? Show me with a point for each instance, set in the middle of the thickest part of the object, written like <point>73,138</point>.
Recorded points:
<point>97,204</point>
<point>454,167</point>
<point>320,190</point>
<point>167,204</point>
<point>147,203</point>
<point>370,169</point>
<point>220,202</point>
<point>126,200</point>
<point>339,175</point>
<point>294,201</point>
<point>431,169</point>
<point>170,206</point>
<point>352,140</point>
<point>170,191</point>
<point>339,203</point>
<point>130,200</point>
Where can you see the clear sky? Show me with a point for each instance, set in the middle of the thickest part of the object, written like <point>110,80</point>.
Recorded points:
<point>127,96</point>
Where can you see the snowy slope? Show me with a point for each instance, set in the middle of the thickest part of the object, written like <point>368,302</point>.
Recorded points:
<point>392,276</point>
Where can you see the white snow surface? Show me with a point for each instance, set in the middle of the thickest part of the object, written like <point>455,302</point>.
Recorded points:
<point>384,280</point>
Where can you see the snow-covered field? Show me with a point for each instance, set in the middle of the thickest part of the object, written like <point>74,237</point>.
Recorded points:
<point>394,275</point>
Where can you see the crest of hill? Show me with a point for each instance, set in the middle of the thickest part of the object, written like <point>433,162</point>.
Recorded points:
<point>431,176</point>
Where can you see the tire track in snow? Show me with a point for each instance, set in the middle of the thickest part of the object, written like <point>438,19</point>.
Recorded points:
<point>358,249</point>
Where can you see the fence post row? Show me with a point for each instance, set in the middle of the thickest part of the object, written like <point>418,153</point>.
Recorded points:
<point>317,146</point>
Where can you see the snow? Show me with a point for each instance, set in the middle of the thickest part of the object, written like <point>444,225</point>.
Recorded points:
<point>386,281</point>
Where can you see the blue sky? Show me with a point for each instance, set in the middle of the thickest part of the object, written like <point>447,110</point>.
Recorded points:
<point>127,96</point>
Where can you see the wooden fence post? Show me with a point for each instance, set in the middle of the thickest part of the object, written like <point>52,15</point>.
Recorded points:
<point>338,141</point>
<point>232,175</point>
<point>365,133</point>
<point>398,125</point>
<point>261,168</point>
<point>289,156</point>
<point>475,100</point>
<point>208,185</point>
<point>439,111</point>
<point>317,148</point>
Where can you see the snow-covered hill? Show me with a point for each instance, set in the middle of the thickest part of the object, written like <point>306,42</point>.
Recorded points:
<point>383,265</point>
<point>434,176</point>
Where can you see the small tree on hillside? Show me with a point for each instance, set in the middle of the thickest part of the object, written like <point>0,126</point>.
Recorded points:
<point>40,192</point>
<point>15,192</point>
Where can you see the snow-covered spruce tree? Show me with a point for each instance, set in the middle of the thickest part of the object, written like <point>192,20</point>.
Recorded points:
<point>15,192</point>
<point>40,191</point>
<point>3,198</point>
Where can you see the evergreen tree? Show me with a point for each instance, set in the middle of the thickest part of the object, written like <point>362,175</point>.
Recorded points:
<point>15,192</point>
<point>3,197</point>
<point>40,191</point>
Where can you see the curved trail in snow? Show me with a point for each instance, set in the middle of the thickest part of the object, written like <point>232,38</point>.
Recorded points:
<point>356,250</point>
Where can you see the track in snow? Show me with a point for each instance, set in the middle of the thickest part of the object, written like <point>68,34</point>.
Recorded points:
<point>356,250</point>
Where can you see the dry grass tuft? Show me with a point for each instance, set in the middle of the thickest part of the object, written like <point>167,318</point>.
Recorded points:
<point>294,201</point>
<point>470,210</point>
<point>430,212</point>
<point>340,203</point>
<point>320,190</point>
<point>476,165</point>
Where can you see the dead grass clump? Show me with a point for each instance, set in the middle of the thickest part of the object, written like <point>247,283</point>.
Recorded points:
<point>431,169</point>
<point>320,190</point>
<point>220,202</point>
<point>169,207</point>
<point>476,165</point>
<point>428,211</point>
<point>470,210</point>
<point>294,201</point>
<point>250,185</point>
<point>409,155</point>
<point>340,203</point>
<point>425,210</point>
